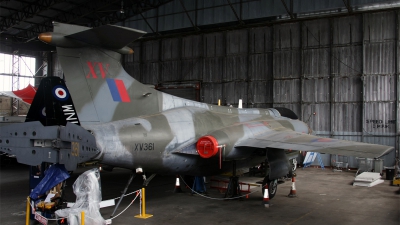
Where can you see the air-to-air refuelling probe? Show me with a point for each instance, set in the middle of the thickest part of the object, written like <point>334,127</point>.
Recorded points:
<point>100,112</point>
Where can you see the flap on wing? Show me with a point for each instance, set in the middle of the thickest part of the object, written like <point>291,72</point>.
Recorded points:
<point>105,36</point>
<point>304,142</point>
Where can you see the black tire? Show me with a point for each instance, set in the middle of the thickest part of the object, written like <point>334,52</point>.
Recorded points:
<point>272,187</point>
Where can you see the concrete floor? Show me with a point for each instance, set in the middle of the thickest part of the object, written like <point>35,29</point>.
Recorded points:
<point>324,197</point>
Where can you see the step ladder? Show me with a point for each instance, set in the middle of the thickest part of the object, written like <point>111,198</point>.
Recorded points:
<point>310,157</point>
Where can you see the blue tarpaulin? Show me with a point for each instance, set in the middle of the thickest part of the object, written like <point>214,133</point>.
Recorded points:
<point>54,175</point>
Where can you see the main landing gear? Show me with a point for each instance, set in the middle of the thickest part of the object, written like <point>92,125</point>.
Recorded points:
<point>272,186</point>
<point>233,190</point>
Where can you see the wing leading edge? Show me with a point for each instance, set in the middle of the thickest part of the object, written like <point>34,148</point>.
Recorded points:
<point>305,142</point>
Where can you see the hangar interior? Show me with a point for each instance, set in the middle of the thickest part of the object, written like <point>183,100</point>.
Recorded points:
<point>335,63</point>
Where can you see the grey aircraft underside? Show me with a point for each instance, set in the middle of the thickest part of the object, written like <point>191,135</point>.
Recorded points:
<point>107,115</point>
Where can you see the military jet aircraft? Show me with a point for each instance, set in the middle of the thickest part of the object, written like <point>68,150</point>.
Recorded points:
<point>100,112</point>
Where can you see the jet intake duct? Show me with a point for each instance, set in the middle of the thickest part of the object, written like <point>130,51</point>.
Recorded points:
<point>207,146</point>
<point>32,143</point>
<point>287,113</point>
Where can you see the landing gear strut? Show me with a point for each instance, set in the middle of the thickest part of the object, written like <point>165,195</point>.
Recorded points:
<point>123,193</point>
<point>233,189</point>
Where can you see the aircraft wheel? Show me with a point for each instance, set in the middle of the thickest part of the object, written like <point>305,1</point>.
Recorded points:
<point>272,187</point>
<point>294,167</point>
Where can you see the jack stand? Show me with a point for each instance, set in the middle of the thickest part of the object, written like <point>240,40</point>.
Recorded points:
<point>147,181</point>
<point>123,193</point>
<point>233,189</point>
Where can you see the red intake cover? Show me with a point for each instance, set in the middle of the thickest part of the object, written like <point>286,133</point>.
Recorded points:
<point>207,146</point>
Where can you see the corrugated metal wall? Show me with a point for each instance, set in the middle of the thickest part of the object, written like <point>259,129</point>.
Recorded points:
<point>345,69</point>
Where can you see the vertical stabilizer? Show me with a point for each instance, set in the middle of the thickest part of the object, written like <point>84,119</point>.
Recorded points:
<point>52,104</point>
<point>101,89</point>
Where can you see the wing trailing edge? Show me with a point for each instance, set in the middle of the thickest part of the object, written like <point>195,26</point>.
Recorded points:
<point>303,142</point>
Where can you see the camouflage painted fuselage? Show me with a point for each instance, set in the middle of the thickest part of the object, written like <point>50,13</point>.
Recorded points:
<point>167,141</point>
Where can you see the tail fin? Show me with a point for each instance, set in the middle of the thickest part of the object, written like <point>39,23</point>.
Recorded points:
<point>52,104</point>
<point>101,89</point>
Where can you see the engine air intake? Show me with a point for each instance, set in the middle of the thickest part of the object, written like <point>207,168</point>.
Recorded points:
<point>207,146</point>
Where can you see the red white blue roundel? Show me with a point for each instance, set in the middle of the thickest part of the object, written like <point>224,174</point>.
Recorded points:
<point>60,93</point>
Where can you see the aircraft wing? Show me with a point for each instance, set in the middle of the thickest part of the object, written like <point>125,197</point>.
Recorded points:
<point>304,142</point>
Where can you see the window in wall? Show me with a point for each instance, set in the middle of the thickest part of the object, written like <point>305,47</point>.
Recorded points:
<point>24,65</point>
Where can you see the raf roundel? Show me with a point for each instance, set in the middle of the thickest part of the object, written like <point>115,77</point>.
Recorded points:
<point>60,93</point>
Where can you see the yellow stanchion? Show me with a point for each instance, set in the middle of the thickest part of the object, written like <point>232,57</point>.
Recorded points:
<point>28,211</point>
<point>83,218</point>
<point>143,214</point>
<point>219,102</point>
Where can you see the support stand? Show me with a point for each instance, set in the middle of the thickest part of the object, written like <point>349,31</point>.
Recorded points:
<point>124,192</point>
<point>233,189</point>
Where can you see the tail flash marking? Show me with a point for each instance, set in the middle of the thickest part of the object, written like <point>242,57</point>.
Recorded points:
<point>118,90</point>
<point>103,70</point>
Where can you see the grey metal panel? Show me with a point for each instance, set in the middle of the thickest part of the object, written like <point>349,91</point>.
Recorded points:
<point>347,30</point>
<point>380,118</point>
<point>287,35</point>
<point>192,46</point>
<point>171,48</point>
<point>347,89</point>
<point>151,51</point>
<point>260,9</point>
<point>347,60</point>
<point>137,51</point>
<point>214,15</point>
<point>316,33</point>
<point>211,92</point>
<point>192,69</point>
<point>237,42</point>
<point>260,67</point>
<point>320,120</point>
<point>287,64</point>
<point>295,107</point>
<point>236,68</point>
<point>316,62</point>
<point>260,40</point>
<point>380,88</point>
<point>379,26</point>
<point>128,58</point>
<point>172,15</point>
<point>260,92</point>
<point>175,21</point>
<point>214,44</point>
<point>301,6</point>
<point>286,91</point>
<point>379,58</point>
<point>389,159</point>
<point>261,105</point>
<point>233,91</point>
<point>138,23</point>
<point>133,69</point>
<point>214,68</point>
<point>316,90</point>
<point>150,73</point>
<point>171,71</point>
<point>346,117</point>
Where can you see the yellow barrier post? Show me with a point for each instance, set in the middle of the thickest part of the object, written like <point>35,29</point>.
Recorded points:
<point>143,214</point>
<point>83,218</point>
<point>28,211</point>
